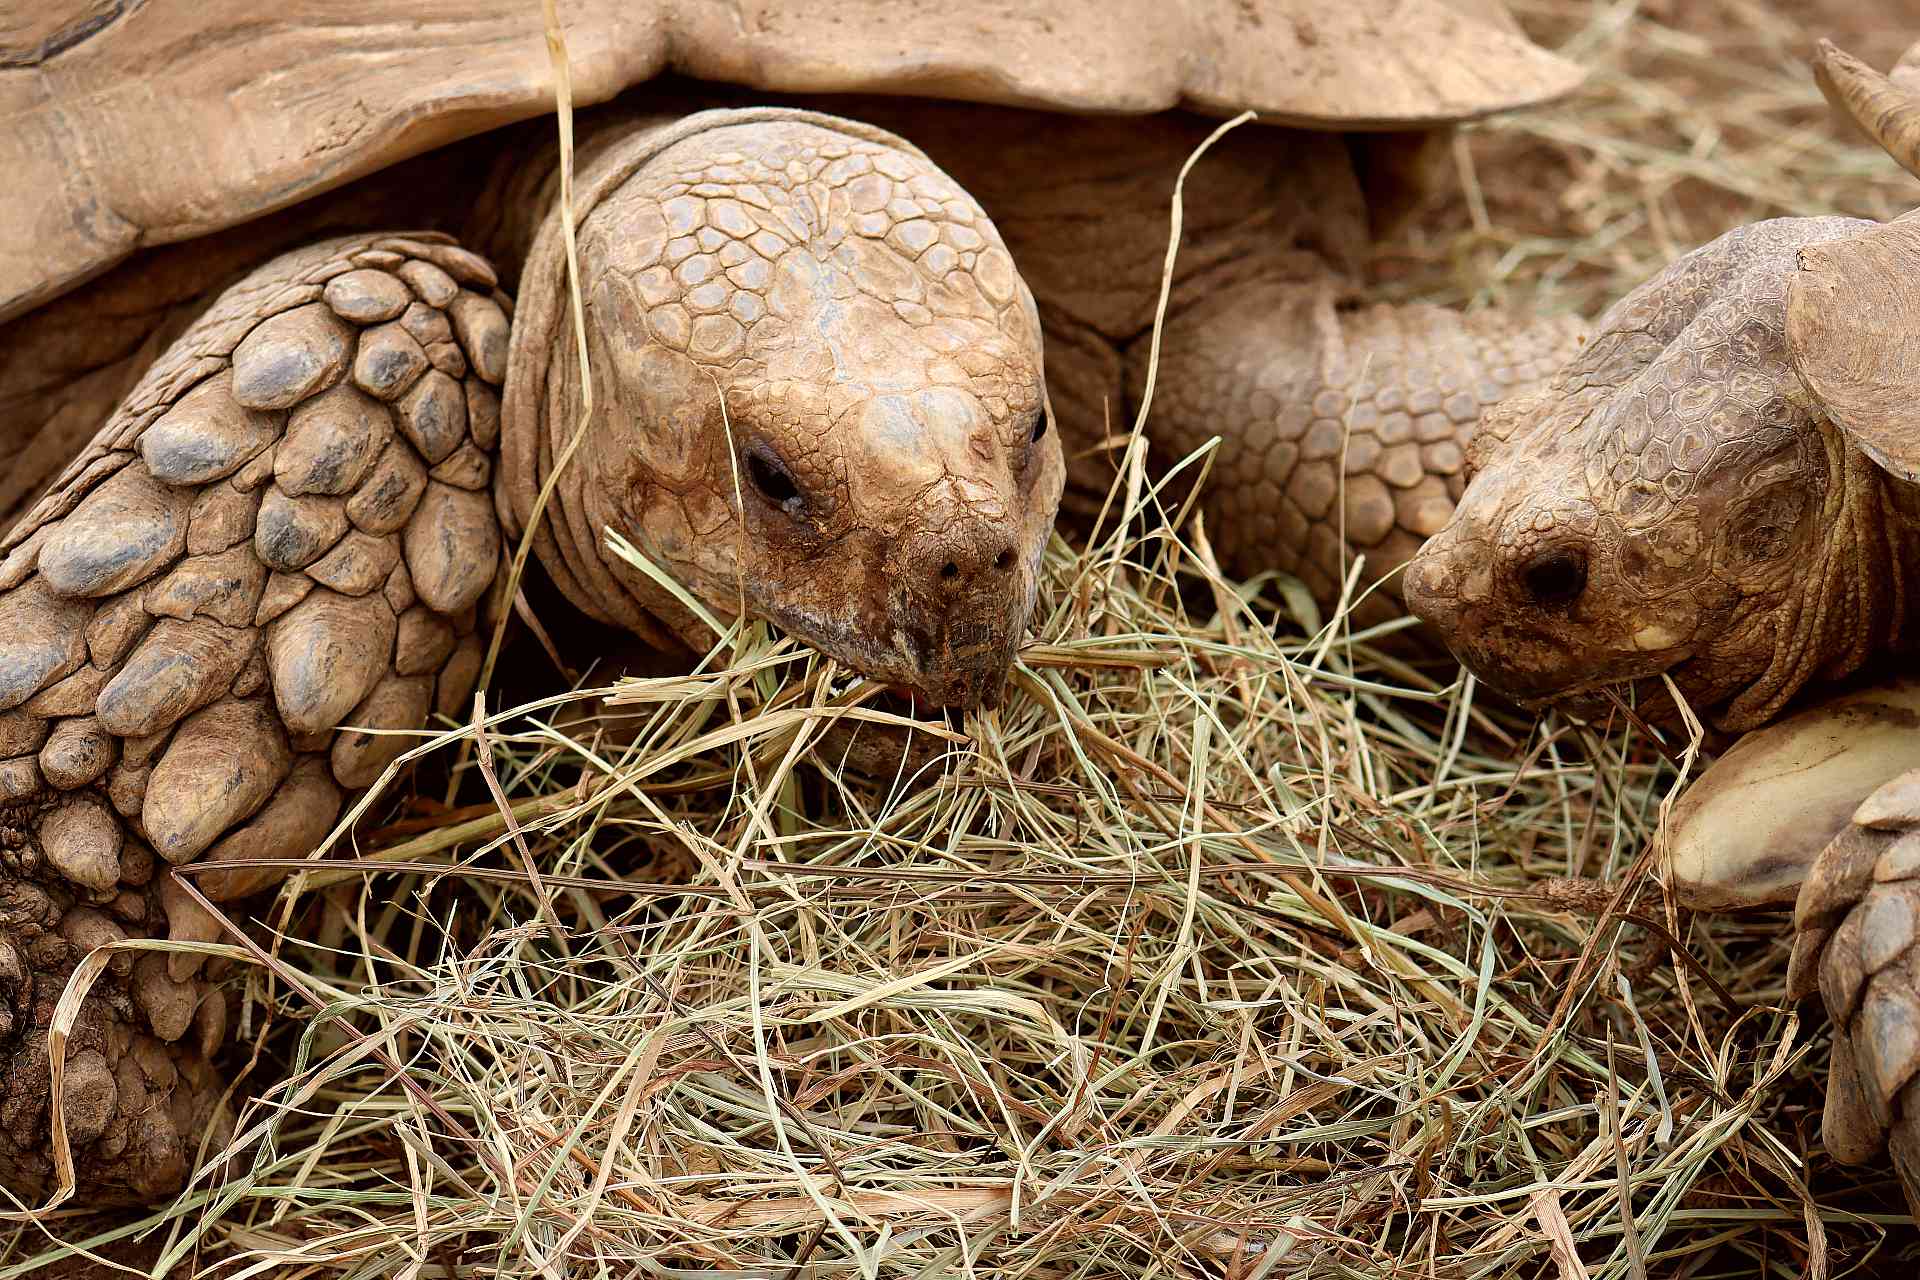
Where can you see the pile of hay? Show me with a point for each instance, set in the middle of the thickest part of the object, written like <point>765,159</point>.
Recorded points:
<point>1232,945</point>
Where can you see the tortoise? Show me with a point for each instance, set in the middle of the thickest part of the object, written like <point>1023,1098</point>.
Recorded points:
<point>297,446</point>
<point>1723,491</point>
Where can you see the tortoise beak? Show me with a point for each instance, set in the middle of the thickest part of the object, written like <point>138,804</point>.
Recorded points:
<point>1446,584</point>
<point>963,594</point>
<point>964,664</point>
<point>1449,587</point>
<point>1424,588</point>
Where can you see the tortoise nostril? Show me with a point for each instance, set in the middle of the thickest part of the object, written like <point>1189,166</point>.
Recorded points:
<point>1555,577</point>
<point>982,560</point>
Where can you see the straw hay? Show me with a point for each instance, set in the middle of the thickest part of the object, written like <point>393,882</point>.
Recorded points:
<point>1232,945</point>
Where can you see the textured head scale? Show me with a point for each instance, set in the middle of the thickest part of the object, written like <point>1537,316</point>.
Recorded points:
<point>818,391</point>
<point>1688,497</point>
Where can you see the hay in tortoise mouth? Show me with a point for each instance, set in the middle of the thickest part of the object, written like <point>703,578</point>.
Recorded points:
<point>1230,946</point>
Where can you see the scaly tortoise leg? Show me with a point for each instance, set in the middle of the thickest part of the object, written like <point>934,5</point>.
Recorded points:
<point>1858,943</point>
<point>1342,432</point>
<point>285,527</point>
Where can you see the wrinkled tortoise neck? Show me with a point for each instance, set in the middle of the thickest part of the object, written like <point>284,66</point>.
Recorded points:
<point>1857,603</point>
<point>540,410</point>
<point>1898,509</point>
<point>1873,563</point>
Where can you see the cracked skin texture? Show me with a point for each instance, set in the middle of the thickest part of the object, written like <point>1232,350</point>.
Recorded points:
<point>183,622</point>
<point>1299,201</point>
<point>1356,447</point>
<point>136,1104</point>
<point>1675,502</point>
<point>1334,416</point>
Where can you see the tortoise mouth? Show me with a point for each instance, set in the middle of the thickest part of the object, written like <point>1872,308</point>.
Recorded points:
<point>907,701</point>
<point>893,750</point>
<point>927,677</point>
<point>965,685</point>
<point>1636,681</point>
<point>1645,693</point>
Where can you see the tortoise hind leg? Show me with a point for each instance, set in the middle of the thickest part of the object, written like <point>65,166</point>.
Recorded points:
<point>1342,432</point>
<point>286,528</point>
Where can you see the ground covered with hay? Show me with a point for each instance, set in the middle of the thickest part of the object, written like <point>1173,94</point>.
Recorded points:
<point>1232,945</point>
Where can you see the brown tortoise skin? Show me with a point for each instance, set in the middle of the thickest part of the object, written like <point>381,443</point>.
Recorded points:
<point>1268,310</point>
<point>1671,503</point>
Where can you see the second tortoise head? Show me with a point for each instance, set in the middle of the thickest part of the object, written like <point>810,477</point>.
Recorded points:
<point>1685,499</point>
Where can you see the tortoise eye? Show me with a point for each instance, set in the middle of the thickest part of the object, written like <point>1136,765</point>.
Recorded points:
<point>1555,577</point>
<point>1039,426</point>
<point>773,481</point>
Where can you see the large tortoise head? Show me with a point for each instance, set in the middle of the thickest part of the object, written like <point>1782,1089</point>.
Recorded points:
<point>818,398</point>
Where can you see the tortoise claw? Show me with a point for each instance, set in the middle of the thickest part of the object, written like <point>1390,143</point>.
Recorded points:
<point>1903,1141</point>
<point>1895,806</point>
<point>1852,1133</point>
<point>1840,875</point>
<point>1775,816</point>
<point>1803,969</point>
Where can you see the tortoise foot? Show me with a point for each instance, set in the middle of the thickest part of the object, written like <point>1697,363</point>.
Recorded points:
<point>139,1094</point>
<point>1858,944</point>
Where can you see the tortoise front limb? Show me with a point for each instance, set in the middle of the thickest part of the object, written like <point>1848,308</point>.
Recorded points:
<point>273,550</point>
<point>1858,944</point>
